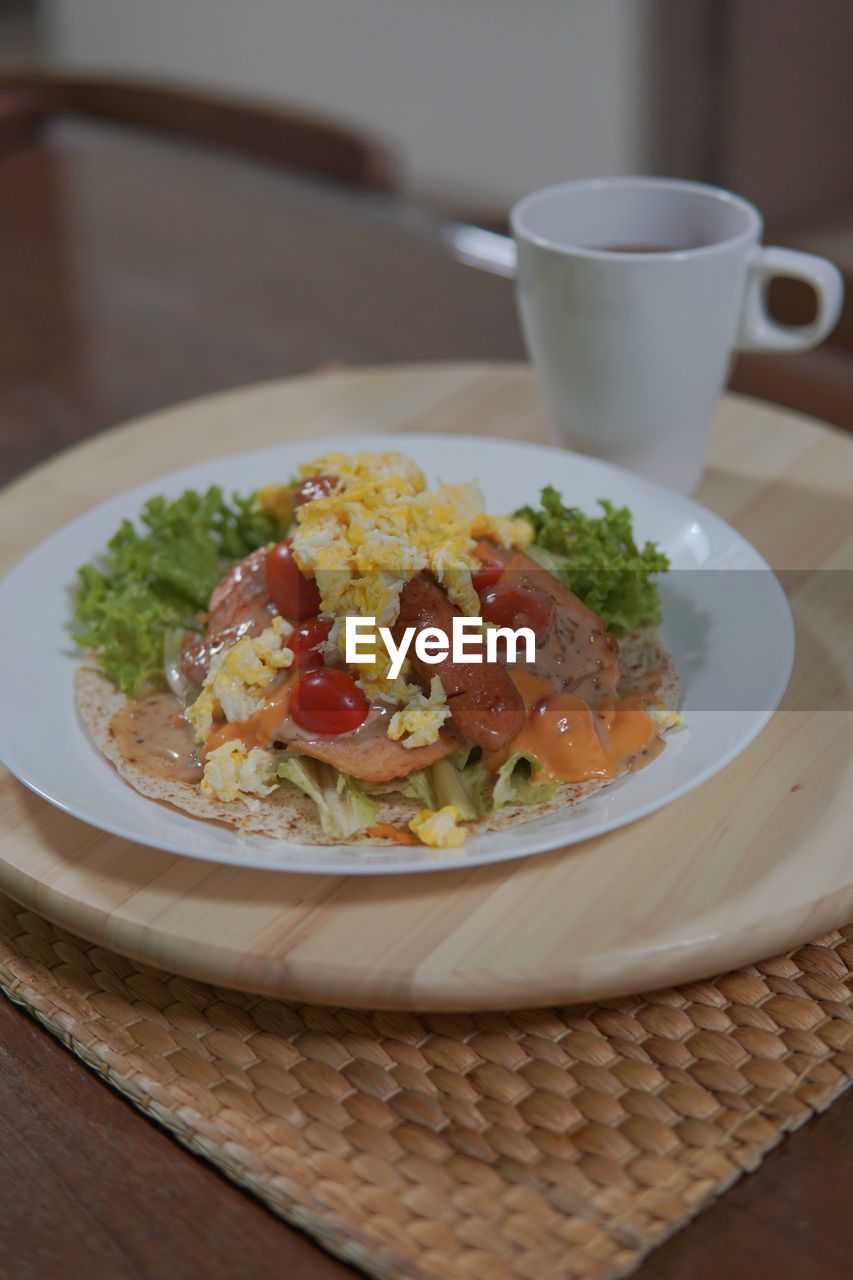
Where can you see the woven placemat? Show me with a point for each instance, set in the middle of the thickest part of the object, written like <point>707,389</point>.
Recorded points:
<point>541,1144</point>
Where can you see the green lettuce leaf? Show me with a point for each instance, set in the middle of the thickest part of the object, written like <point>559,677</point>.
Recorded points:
<point>343,806</point>
<point>598,559</point>
<point>462,787</point>
<point>444,783</point>
<point>515,782</point>
<point>419,786</point>
<point>160,577</point>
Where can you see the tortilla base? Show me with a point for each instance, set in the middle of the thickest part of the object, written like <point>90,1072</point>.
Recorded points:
<point>288,815</point>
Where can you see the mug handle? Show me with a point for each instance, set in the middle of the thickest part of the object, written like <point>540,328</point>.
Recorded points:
<point>758,331</point>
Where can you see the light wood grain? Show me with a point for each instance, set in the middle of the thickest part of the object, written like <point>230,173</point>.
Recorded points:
<point>751,863</point>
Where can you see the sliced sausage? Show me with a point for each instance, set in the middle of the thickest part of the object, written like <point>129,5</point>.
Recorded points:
<point>484,703</point>
<point>376,760</point>
<point>580,655</point>
<point>239,606</point>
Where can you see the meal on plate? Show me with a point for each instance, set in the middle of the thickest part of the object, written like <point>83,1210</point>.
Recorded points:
<point>287,662</point>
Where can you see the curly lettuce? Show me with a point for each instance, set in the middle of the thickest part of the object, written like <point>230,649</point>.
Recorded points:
<point>598,559</point>
<point>159,577</point>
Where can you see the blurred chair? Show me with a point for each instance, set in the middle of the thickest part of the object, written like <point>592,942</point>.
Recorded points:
<point>280,135</point>
<point>21,115</point>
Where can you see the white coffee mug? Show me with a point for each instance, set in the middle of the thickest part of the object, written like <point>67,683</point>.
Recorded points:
<point>634,295</point>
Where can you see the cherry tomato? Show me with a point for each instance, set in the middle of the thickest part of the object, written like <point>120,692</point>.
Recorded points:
<point>306,640</point>
<point>491,572</point>
<point>313,487</point>
<point>295,596</point>
<point>515,606</point>
<point>328,701</point>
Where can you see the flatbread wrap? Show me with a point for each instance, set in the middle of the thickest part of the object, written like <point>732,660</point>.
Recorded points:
<point>259,720</point>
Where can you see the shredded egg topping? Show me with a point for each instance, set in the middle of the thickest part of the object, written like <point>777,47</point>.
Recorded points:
<point>438,827</point>
<point>237,678</point>
<point>275,500</point>
<point>230,770</point>
<point>419,721</point>
<point>379,527</point>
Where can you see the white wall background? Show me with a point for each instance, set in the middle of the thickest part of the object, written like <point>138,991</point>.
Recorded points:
<point>482,99</point>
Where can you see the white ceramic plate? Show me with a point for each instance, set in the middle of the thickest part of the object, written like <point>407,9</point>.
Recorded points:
<point>726,621</point>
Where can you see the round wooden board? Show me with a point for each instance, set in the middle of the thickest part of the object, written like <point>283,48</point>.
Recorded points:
<point>756,860</point>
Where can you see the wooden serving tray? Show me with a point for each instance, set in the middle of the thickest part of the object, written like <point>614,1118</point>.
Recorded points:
<point>755,861</point>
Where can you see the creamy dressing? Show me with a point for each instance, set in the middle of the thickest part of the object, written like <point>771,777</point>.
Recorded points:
<point>576,742</point>
<point>576,725</point>
<point>574,739</point>
<point>153,734</point>
<point>273,724</point>
<point>261,729</point>
<point>577,657</point>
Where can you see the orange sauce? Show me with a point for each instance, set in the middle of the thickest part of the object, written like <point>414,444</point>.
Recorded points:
<point>575,742</point>
<point>389,831</point>
<point>259,729</point>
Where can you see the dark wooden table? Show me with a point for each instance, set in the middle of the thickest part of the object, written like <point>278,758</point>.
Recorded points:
<point>133,274</point>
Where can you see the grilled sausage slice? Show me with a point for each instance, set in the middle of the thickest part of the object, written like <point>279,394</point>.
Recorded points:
<point>374,758</point>
<point>484,703</point>
<point>580,655</point>
<point>239,606</point>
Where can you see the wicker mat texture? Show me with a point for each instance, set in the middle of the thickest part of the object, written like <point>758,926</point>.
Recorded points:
<point>543,1144</point>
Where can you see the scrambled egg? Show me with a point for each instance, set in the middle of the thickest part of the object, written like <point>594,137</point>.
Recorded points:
<point>377,529</point>
<point>275,500</point>
<point>665,718</point>
<point>421,718</point>
<point>237,677</point>
<point>504,530</point>
<point>230,770</point>
<point>437,827</point>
